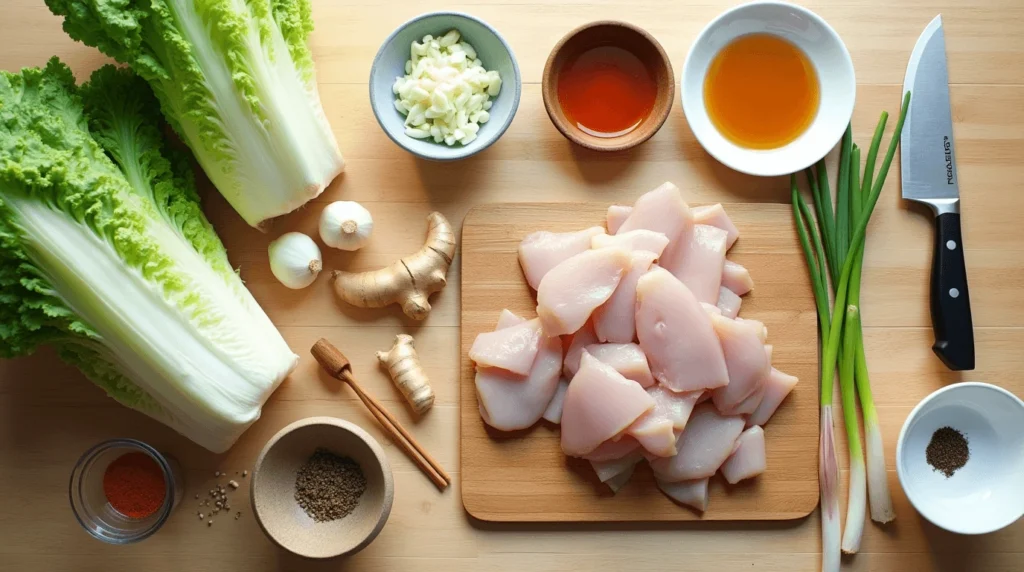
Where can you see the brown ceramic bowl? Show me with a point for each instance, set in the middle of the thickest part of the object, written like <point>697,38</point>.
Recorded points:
<point>610,33</point>
<point>273,489</point>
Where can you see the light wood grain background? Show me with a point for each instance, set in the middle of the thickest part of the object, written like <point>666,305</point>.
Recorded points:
<point>49,415</point>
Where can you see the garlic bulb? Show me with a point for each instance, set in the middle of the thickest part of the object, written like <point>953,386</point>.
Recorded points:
<point>345,225</point>
<point>295,260</point>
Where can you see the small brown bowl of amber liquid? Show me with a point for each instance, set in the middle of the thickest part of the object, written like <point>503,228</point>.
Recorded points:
<point>608,86</point>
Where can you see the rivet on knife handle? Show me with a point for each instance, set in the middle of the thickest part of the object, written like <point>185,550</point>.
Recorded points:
<point>951,304</point>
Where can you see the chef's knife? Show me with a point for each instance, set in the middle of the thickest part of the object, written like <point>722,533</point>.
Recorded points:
<point>929,176</point>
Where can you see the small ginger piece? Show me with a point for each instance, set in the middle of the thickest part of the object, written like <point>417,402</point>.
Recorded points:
<point>405,370</point>
<point>409,281</point>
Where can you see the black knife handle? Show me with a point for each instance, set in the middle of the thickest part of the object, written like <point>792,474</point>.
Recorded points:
<point>951,304</point>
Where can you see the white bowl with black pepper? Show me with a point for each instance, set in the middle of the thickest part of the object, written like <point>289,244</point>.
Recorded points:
<point>338,471</point>
<point>960,458</point>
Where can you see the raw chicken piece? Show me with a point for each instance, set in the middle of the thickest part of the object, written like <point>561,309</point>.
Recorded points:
<point>714,215</point>
<point>745,360</point>
<point>729,302</point>
<point>703,446</point>
<point>676,335</point>
<point>599,405</point>
<point>507,319</point>
<point>615,320</point>
<point>776,388</point>
<point>627,359</point>
<point>541,251</point>
<point>571,291</point>
<point>580,340</point>
<point>748,405</point>
<point>509,402</point>
<point>618,481</point>
<point>693,493</point>
<point>613,449</point>
<point>512,349</point>
<point>757,326</point>
<point>655,434</point>
<point>736,278</point>
<point>640,239</point>
<point>554,411</point>
<point>674,406</point>
<point>607,469</point>
<point>661,210</point>
<point>701,257</point>
<point>617,214</point>
<point>749,459</point>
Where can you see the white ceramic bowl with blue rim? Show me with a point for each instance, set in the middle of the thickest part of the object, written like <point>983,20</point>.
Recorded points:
<point>826,52</point>
<point>494,53</point>
<point>987,493</point>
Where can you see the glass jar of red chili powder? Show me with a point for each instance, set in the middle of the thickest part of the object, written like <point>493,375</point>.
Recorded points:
<point>123,490</point>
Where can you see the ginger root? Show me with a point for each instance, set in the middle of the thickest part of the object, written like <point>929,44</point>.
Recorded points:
<point>408,281</point>
<point>405,370</point>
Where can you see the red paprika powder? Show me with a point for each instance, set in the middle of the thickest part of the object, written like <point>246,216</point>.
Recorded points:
<point>134,485</point>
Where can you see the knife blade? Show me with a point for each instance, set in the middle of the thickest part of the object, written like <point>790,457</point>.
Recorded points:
<point>929,176</point>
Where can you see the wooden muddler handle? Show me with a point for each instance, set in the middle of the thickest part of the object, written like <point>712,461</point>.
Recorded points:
<point>335,363</point>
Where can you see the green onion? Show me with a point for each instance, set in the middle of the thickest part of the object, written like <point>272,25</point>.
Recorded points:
<point>838,254</point>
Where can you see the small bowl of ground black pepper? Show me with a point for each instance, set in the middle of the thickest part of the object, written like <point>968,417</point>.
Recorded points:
<point>960,458</point>
<point>322,487</point>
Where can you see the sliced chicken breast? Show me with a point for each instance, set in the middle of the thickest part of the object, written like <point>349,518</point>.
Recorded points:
<point>553,413</point>
<point>640,239</point>
<point>580,340</point>
<point>513,348</point>
<point>570,292</point>
<point>655,434</point>
<point>541,251</point>
<point>509,402</point>
<point>608,469</point>
<point>729,302</point>
<point>661,210</point>
<point>776,388</point>
<point>615,320</point>
<point>693,494</point>
<point>705,443</point>
<point>745,360</point>
<point>617,214</point>
<point>715,215</point>
<point>614,448</point>
<point>627,359</point>
<point>700,260</point>
<point>749,458</point>
<point>736,278</point>
<point>676,335</point>
<point>599,405</point>
<point>618,481</point>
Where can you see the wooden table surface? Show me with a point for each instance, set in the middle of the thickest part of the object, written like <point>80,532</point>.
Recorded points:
<point>49,414</point>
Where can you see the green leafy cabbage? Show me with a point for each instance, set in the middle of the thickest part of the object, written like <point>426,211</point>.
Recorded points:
<point>106,255</point>
<point>236,81</point>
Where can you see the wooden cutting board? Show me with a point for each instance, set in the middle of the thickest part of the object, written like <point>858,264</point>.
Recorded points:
<point>524,476</point>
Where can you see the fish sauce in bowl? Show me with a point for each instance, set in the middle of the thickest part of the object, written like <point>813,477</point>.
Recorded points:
<point>606,91</point>
<point>761,92</point>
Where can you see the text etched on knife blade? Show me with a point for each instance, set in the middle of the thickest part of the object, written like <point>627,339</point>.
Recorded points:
<point>948,147</point>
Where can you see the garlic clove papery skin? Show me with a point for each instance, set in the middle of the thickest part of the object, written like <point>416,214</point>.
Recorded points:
<point>345,225</point>
<point>295,260</point>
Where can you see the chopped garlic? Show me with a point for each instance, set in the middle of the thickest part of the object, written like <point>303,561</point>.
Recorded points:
<point>446,92</point>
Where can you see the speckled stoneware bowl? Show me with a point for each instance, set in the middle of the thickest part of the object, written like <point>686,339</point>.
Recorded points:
<point>494,53</point>
<point>273,489</point>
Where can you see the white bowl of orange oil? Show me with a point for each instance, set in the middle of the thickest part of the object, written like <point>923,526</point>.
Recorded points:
<point>768,88</point>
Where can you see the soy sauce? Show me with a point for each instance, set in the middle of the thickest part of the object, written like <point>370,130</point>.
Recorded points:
<point>606,91</point>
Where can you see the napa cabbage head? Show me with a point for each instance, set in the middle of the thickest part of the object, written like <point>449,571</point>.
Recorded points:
<point>235,79</point>
<point>106,255</point>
